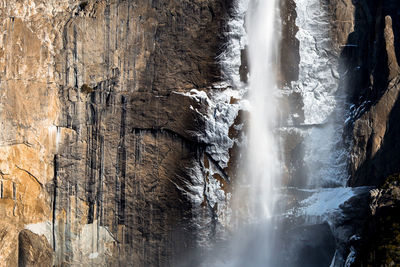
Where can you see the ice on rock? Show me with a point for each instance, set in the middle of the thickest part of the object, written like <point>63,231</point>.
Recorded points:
<point>93,255</point>
<point>351,257</point>
<point>218,119</point>
<point>219,116</point>
<point>221,113</point>
<point>324,204</point>
<point>326,201</point>
<point>317,82</point>
<point>230,58</point>
<point>324,154</point>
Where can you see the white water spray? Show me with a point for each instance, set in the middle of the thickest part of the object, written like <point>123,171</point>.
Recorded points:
<point>254,197</point>
<point>263,166</point>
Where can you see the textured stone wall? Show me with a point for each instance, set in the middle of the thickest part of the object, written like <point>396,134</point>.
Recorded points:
<point>105,150</point>
<point>370,73</point>
<point>100,137</point>
<point>372,76</point>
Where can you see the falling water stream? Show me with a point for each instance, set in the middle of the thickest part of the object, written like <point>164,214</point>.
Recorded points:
<point>255,191</point>
<point>254,196</point>
<point>263,168</point>
<point>301,230</point>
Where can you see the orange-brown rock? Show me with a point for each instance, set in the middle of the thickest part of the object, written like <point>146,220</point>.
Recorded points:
<point>100,148</point>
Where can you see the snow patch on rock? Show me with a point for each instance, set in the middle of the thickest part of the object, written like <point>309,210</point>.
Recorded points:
<point>92,241</point>
<point>324,204</point>
<point>42,228</point>
<point>317,82</point>
<point>93,255</point>
<point>230,58</point>
<point>326,201</point>
<point>220,116</point>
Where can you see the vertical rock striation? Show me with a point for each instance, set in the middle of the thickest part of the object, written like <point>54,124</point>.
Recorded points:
<point>105,136</point>
<point>372,74</point>
<point>119,140</point>
<point>125,188</point>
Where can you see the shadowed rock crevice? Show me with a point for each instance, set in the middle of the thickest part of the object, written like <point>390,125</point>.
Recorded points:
<point>372,74</point>
<point>289,44</point>
<point>380,235</point>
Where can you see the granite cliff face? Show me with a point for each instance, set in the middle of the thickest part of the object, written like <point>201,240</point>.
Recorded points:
<point>104,149</point>
<point>120,130</point>
<point>372,79</point>
<point>364,46</point>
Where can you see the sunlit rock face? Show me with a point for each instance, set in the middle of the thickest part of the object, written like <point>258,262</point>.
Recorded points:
<point>105,150</point>
<point>121,128</point>
<point>29,109</point>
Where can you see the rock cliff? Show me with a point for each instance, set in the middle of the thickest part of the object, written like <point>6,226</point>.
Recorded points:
<point>373,72</point>
<point>120,129</point>
<point>364,42</point>
<point>104,144</point>
<point>370,74</point>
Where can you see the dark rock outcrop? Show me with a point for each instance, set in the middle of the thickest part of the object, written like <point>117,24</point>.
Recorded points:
<point>371,75</point>
<point>34,250</point>
<point>379,244</point>
<point>289,45</point>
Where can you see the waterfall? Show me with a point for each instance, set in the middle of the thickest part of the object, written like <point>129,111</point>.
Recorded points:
<point>253,244</point>
<point>252,241</point>
<point>263,168</point>
<point>275,221</point>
